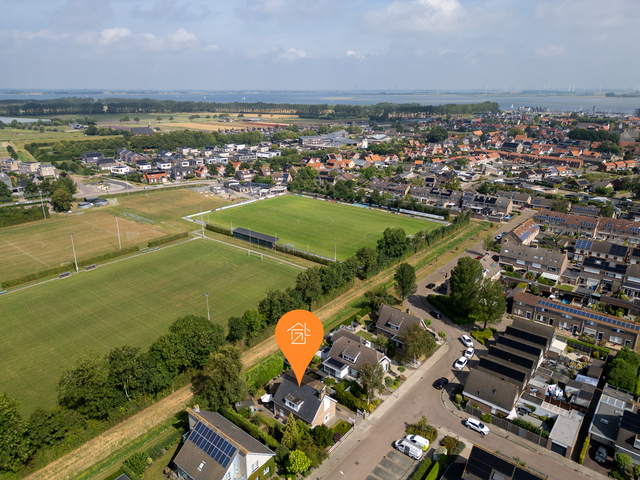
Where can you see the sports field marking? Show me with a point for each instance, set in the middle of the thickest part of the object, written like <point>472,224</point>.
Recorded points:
<point>366,237</point>
<point>26,253</point>
<point>18,254</point>
<point>97,227</point>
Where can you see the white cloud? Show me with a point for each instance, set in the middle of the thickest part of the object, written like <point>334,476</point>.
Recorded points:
<point>46,34</point>
<point>110,35</point>
<point>210,48</point>
<point>354,54</point>
<point>293,54</point>
<point>417,15</point>
<point>172,10</point>
<point>552,51</point>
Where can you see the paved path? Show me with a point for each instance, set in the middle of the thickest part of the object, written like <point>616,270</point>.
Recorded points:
<point>370,443</point>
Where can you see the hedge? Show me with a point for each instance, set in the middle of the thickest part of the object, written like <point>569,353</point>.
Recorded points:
<point>590,345</point>
<point>305,255</point>
<point>68,266</point>
<point>530,427</point>
<point>257,475</point>
<point>249,427</point>
<point>433,474</point>
<point>362,312</point>
<point>350,401</point>
<point>217,229</point>
<point>168,239</point>
<point>258,376</point>
<point>421,472</point>
<point>583,452</point>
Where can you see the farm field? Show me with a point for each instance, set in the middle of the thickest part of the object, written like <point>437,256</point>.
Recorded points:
<point>36,246</point>
<point>298,220</point>
<point>132,301</point>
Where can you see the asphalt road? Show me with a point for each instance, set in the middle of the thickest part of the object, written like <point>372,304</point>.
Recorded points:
<point>423,399</point>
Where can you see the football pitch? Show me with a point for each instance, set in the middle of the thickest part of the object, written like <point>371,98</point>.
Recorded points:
<point>306,222</point>
<point>133,301</point>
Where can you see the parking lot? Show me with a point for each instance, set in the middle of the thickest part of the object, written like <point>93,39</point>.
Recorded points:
<point>393,466</point>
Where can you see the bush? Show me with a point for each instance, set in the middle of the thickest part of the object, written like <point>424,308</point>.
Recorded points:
<point>168,239</point>
<point>215,228</point>
<point>583,452</point>
<point>388,381</point>
<point>251,429</point>
<point>337,436</point>
<point>422,470</point>
<point>401,369</point>
<point>458,450</point>
<point>617,475</point>
<point>458,399</point>
<point>602,350</point>
<point>329,381</point>
<point>449,443</point>
<point>569,350</point>
<point>530,427</point>
<point>486,418</point>
<point>433,474</point>
<point>260,375</point>
<point>138,462</point>
<point>442,334</point>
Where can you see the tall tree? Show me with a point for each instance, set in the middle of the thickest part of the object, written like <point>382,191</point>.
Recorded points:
<point>417,341</point>
<point>14,445</point>
<point>488,242</point>
<point>254,321</point>
<point>199,337</point>
<point>290,433</point>
<point>464,283</point>
<point>405,278</point>
<point>61,200</point>
<point>394,242</point>
<point>490,304</point>
<point>371,377</point>
<point>224,384</point>
<point>377,296</point>
<point>368,259</point>
<point>124,368</point>
<point>607,210</point>
<point>309,284</point>
<point>229,170</point>
<point>237,329</point>
<point>560,205</point>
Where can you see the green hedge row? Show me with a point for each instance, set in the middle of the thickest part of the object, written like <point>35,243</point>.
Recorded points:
<point>350,401</point>
<point>258,376</point>
<point>590,345</point>
<point>518,422</point>
<point>305,255</point>
<point>68,266</point>
<point>583,452</point>
<point>217,229</point>
<point>422,470</point>
<point>433,474</point>
<point>168,239</point>
<point>248,427</point>
<point>362,312</point>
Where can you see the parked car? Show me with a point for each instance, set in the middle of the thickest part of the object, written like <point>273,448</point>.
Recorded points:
<point>522,207</point>
<point>408,448</point>
<point>422,442</point>
<point>440,383</point>
<point>469,352</point>
<point>466,340</point>
<point>498,237</point>
<point>431,286</point>
<point>477,425</point>
<point>435,314</point>
<point>460,363</point>
<point>479,257</point>
<point>601,454</point>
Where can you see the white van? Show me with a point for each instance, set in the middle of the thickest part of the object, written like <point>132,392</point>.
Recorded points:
<point>422,442</point>
<point>408,448</point>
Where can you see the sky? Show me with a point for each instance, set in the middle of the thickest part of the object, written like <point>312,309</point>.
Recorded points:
<point>320,44</point>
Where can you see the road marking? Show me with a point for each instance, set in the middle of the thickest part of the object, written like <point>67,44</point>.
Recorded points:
<point>26,253</point>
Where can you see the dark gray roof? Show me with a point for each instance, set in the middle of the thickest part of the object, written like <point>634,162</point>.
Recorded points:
<point>491,389</point>
<point>355,350</point>
<point>629,428</point>
<point>252,234</point>
<point>390,315</point>
<point>537,329</point>
<point>309,395</point>
<point>482,465</point>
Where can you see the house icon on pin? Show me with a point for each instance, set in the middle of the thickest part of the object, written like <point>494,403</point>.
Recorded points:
<point>299,334</point>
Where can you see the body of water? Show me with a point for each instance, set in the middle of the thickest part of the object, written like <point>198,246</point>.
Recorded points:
<point>21,120</point>
<point>555,103</point>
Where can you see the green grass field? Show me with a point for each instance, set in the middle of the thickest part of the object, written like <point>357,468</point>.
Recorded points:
<point>133,301</point>
<point>299,220</point>
<point>32,247</point>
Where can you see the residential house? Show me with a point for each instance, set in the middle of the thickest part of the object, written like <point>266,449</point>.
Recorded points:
<point>308,402</point>
<point>142,131</point>
<point>47,170</point>
<point>201,172</point>
<point>539,260</point>
<point>541,203</point>
<point>581,183</point>
<point>605,250</point>
<point>607,419</point>
<point>628,438</point>
<point>143,166</point>
<point>392,323</point>
<point>596,271</point>
<point>163,165</point>
<point>91,157</point>
<point>618,230</point>
<point>589,210</point>
<point>568,224</point>
<point>180,173</point>
<point>392,188</point>
<point>155,176</point>
<point>244,175</point>
<point>490,268</point>
<point>28,167</point>
<point>490,393</point>
<point>106,163</point>
<point>348,355</point>
<point>120,170</point>
<point>517,198</point>
<point>577,320</point>
<point>486,465</point>
<point>523,234</point>
<point>216,449</point>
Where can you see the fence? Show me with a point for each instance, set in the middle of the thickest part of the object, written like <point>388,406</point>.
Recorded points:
<point>335,445</point>
<point>138,215</point>
<point>604,352</point>
<point>508,426</point>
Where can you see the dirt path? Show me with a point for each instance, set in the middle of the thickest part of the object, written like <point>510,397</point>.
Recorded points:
<point>104,444</point>
<point>100,447</point>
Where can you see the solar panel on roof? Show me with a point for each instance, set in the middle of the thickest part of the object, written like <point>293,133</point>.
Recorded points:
<point>213,444</point>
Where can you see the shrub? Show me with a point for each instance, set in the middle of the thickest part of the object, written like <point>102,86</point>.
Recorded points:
<point>215,228</point>
<point>486,418</point>
<point>388,381</point>
<point>458,399</point>
<point>569,350</point>
<point>449,442</point>
<point>433,474</point>
<point>138,462</point>
<point>257,377</point>
<point>401,369</point>
<point>459,449</point>
<point>442,334</point>
<point>337,436</point>
<point>168,239</point>
<point>329,381</point>
<point>583,452</point>
<point>422,470</point>
<point>617,475</point>
<point>596,355</point>
<point>245,412</point>
<point>530,427</point>
<point>251,429</point>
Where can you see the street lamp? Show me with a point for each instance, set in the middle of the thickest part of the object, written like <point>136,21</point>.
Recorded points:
<point>207,297</point>
<point>74,252</point>
<point>335,250</point>
<point>202,220</point>
<point>118,230</point>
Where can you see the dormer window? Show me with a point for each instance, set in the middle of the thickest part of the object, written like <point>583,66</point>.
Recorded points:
<point>293,402</point>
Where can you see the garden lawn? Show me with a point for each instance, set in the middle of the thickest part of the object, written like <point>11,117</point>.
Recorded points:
<point>132,301</point>
<point>304,221</point>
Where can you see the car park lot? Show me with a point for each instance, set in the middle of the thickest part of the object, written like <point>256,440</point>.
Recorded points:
<point>393,466</point>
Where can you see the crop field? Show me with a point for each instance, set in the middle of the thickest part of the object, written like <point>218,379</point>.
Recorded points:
<point>132,301</point>
<point>36,246</point>
<point>303,221</point>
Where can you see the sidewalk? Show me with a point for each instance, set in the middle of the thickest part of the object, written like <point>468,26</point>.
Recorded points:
<point>543,451</point>
<point>363,425</point>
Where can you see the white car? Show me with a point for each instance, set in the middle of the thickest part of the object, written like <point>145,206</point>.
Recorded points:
<point>460,363</point>
<point>477,425</point>
<point>466,340</point>
<point>469,352</point>
<point>422,442</point>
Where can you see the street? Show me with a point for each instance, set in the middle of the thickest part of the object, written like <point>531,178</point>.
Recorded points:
<point>422,399</point>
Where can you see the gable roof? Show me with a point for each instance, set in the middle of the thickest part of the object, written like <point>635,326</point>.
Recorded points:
<point>392,316</point>
<point>483,465</point>
<point>355,350</point>
<point>491,389</point>
<point>310,397</point>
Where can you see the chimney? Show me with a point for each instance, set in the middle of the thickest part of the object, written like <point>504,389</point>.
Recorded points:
<point>196,408</point>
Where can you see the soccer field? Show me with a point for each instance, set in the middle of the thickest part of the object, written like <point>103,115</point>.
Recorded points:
<point>32,247</point>
<point>46,327</point>
<point>301,221</point>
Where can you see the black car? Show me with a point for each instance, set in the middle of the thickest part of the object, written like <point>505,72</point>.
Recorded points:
<point>435,314</point>
<point>431,286</point>
<point>440,383</point>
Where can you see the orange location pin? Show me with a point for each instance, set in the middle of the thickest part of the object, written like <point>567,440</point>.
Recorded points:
<point>299,335</point>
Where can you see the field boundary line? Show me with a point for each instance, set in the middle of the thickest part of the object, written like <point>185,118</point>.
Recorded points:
<point>26,253</point>
<point>199,235</point>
